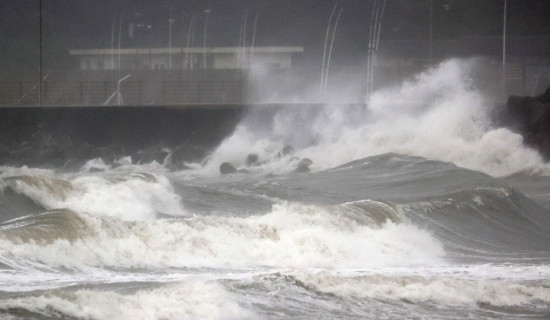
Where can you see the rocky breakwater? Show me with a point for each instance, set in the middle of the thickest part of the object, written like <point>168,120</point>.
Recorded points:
<point>530,117</point>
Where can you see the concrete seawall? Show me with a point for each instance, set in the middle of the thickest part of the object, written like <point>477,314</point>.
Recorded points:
<point>129,126</point>
<point>56,136</point>
<point>33,135</point>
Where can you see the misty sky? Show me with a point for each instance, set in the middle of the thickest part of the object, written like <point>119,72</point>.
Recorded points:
<point>89,23</point>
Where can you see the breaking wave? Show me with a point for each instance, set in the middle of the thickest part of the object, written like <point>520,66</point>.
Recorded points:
<point>291,235</point>
<point>185,300</point>
<point>437,115</point>
<point>134,196</point>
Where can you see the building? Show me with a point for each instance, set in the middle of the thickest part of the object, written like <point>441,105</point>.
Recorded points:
<point>152,76</point>
<point>185,58</point>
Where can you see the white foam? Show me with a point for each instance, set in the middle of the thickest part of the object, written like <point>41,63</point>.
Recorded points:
<point>292,235</point>
<point>438,115</point>
<point>185,300</point>
<point>8,171</point>
<point>427,288</point>
<point>129,197</point>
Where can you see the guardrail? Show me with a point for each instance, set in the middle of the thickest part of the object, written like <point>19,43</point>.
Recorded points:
<point>136,92</point>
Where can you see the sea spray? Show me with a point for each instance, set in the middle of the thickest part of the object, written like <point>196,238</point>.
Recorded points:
<point>438,115</point>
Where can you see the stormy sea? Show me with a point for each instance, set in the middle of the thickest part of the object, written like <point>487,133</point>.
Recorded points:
<point>413,205</point>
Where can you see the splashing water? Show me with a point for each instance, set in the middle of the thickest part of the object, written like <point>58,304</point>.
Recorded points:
<point>438,115</point>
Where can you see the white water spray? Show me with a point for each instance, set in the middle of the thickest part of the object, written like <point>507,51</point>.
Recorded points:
<point>438,115</point>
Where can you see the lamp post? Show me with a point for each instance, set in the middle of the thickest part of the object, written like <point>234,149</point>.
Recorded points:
<point>253,38</point>
<point>188,64</point>
<point>40,53</point>
<point>170,22</point>
<point>206,12</point>
<point>431,31</point>
<point>504,50</point>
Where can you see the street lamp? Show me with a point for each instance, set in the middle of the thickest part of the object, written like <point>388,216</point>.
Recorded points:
<point>190,35</point>
<point>170,22</point>
<point>431,32</point>
<point>206,12</point>
<point>40,71</point>
<point>504,51</point>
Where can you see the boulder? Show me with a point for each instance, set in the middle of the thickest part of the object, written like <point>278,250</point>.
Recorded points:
<point>285,151</point>
<point>149,155</point>
<point>252,160</point>
<point>227,168</point>
<point>529,117</point>
<point>185,153</point>
<point>303,165</point>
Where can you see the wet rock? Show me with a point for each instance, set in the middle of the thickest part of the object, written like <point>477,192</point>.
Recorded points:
<point>149,155</point>
<point>72,165</point>
<point>285,151</point>
<point>107,154</point>
<point>185,153</point>
<point>116,165</point>
<point>227,168</point>
<point>529,117</point>
<point>252,160</point>
<point>303,165</point>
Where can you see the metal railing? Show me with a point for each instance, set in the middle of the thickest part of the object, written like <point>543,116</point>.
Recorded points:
<point>142,88</point>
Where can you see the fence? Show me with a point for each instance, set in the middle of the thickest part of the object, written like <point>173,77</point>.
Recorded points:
<point>228,86</point>
<point>141,88</point>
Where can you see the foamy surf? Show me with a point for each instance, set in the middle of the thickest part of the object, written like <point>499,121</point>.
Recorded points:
<point>434,289</point>
<point>183,300</point>
<point>131,196</point>
<point>291,235</point>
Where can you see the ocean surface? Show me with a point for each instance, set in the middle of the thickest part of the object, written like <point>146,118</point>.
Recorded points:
<point>414,207</point>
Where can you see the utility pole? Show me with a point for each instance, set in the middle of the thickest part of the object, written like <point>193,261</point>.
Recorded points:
<point>170,22</point>
<point>40,53</point>
<point>253,38</point>
<point>504,50</point>
<point>431,31</point>
<point>206,12</point>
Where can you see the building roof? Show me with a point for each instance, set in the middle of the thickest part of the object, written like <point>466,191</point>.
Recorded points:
<point>175,50</point>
